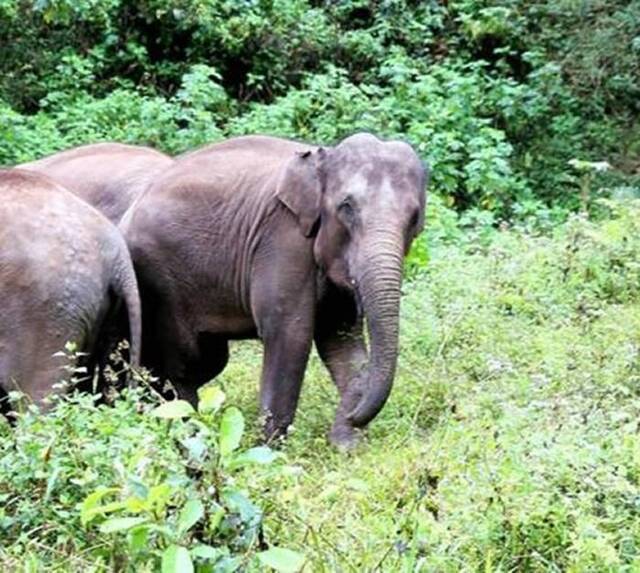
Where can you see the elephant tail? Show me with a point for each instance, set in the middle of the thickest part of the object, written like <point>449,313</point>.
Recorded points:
<point>126,288</point>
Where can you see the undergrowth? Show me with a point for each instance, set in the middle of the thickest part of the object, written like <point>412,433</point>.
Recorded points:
<point>510,441</point>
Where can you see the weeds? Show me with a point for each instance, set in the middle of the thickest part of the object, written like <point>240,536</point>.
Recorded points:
<point>510,441</point>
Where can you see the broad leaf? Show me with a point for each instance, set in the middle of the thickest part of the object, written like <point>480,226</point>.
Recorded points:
<point>90,503</point>
<point>191,513</point>
<point>121,524</point>
<point>249,513</point>
<point>196,447</point>
<point>104,509</point>
<point>176,559</point>
<point>228,564</point>
<point>257,455</point>
<point>211,399</point>
<point>283,560</point>
<point>159,495</point>
<point>138,538</point>
<point>231,428</point>
<point>137,487</point>
<point>173,410</point>
<point>206,552</point>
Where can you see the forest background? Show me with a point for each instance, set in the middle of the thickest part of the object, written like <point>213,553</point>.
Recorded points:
<point>510,441</point>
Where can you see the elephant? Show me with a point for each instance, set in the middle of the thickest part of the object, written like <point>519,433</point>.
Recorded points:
<point>108,176</point>
<point>288,242</point>
<point>65,273</point>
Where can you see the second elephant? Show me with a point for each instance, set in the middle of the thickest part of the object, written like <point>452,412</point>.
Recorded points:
<point>108,176</point>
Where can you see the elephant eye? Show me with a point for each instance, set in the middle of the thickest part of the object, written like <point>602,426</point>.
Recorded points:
<point>347,211</point>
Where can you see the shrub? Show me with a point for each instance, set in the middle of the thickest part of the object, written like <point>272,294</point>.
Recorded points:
<point>133,486</point>
<point>498,96</point>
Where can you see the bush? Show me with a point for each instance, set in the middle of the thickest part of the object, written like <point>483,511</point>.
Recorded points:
<point>498,96</point>
<point>133,486</point>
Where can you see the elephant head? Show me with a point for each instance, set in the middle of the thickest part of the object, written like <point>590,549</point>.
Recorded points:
<point>364,201</point>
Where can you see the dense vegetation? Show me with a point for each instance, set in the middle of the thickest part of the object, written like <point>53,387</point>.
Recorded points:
<point>510,441</point>
<point>498,96</point>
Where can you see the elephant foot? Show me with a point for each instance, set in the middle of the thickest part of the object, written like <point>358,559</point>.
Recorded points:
<point>344,436</point>
<point>275,430</point>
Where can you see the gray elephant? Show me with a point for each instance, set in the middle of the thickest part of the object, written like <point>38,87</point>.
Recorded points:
<point>288,242</point>
<point>108,176</point>
<point>64,273</point>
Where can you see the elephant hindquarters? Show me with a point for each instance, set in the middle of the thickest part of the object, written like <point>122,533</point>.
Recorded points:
<point>32,363</point>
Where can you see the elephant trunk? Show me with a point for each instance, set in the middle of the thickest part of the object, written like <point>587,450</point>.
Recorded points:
<point>380,281</point>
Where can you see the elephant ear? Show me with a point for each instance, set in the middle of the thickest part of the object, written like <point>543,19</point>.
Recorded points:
<point>300,189</point>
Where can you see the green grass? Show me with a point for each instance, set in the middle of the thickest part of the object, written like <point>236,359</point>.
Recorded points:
<point>510,441</point>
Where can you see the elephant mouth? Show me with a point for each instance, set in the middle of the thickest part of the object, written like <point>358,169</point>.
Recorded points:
<point>357,299</point>
<point>344,281</point>
<point>351,287</point>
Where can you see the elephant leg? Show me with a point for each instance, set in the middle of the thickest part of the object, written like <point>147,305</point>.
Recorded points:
<point>169,346</point>
<point>286,352</point>
<point>285,324</point>
<point>340,343</point>
<point>180,361</point>
<point>191,361</point>
<point>170,350</point>
<point>5,406</point>
<point>283,304</point>
<point>38,371</point>
<point>212,357</point>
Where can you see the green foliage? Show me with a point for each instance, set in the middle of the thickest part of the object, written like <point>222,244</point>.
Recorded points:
<point>133,486</point>
<point>497,96</point>
<point>509,442</point>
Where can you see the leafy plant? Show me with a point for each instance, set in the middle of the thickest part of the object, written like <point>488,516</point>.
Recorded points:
<point>169,501</point>
<point>498,98</point>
